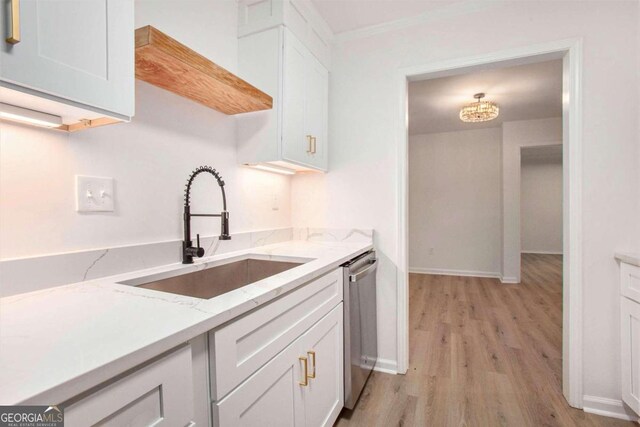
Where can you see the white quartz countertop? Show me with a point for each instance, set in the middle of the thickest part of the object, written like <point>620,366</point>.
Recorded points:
<point>629,258</point>
<point>58,342</point>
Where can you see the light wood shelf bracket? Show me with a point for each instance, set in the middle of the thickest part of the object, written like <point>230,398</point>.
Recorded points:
<point>88,124</point>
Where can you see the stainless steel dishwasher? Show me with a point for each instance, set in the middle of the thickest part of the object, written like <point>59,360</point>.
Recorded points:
<point>360,327</point>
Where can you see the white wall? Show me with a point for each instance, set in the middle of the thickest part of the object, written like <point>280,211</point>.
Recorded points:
<point>455,199</point>
<point>515,136</point>
<point>541,206</point>
<point>363,154</point>
<point>150,159</point>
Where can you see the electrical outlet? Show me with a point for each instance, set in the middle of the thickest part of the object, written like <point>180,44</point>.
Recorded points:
<point>94,194</point>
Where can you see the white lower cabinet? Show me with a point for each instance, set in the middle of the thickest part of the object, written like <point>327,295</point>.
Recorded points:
<point>301,386</point>
<point>630,334</point>
<point>630,343</point>
<point>158,394</point>
<point>241,347</point>
<point>271,397</point>
<point>278,365</point>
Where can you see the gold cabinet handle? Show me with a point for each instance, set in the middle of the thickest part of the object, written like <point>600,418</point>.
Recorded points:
<point>312,356</point>
<point>309,143</point>
<point>14,37</point>
<point>313,145</point>
<point>305,380</point>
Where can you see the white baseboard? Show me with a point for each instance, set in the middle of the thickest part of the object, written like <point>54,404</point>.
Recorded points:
<point>608,408</point>
<point>542,252</point>
<point>447,272</point>
<point>464,273</point>
<point>386,366</point>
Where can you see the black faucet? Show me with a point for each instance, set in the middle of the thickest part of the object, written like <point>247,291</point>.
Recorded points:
<point>189,251</point>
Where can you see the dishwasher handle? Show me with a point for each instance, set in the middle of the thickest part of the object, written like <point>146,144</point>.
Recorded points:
<point>373,264</point>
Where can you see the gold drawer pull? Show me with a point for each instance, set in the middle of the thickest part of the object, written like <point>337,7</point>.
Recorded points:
<point>14,37</point>
<point>312,356</point>
<point>313,145</point>
<point>305,381</point>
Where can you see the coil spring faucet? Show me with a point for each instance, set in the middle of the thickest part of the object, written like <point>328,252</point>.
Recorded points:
<point>188,250</point>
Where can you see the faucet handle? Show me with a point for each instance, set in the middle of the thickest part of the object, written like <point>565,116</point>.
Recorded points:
<point>199,250</point>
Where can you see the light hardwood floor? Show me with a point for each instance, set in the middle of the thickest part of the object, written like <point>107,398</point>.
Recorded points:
<point>482,353</point>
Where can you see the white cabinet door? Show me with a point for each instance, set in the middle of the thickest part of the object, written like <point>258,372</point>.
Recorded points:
<point>296,130</point>
<point>305,106</point>
<point>272,397</point>
<point>77,50</point>
<point>324,396</point>
<point>630,341</point>
<point>278,394</point>
<point>159,394</point>
<point>316,111</point>
<point>293,105</point>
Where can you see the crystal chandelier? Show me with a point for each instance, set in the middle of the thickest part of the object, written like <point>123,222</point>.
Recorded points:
<point>479,111</point>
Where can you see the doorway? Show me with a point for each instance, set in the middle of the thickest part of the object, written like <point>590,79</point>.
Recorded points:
<point>569,52</point>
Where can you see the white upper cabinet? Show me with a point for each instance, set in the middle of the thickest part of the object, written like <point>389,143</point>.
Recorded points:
<point>284,51</point>
<point>74,58</point>
<point>295,130</point>
<point>299,16</point>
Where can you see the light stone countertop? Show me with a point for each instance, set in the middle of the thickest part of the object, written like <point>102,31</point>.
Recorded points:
<point>629,258</point>
<point>58,342</point>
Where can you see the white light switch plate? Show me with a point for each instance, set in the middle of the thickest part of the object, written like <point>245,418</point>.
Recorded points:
<point>94,194</point>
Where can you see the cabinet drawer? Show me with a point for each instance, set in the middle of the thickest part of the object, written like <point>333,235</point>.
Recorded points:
<point>630,281</point>
<point>159,394</point>
<point>242,347</point>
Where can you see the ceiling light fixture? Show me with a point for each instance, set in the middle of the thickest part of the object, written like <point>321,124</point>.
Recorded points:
<point>273,168</point>
<point>479,111</point>
<point>31,117</point>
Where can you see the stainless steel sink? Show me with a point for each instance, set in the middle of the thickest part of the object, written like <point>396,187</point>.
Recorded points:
<point>219,279</point>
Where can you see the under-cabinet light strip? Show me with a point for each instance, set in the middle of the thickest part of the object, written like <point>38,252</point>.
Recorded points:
<point>32,117</point>
<point>272,168</point>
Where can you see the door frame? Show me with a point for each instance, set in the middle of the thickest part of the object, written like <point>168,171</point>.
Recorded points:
<point>570,51</point>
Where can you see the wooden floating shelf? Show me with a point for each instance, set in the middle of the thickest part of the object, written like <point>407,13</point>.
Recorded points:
<point>170,65</point>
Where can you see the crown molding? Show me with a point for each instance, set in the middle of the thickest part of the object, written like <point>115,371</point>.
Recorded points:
<point>456,9</point>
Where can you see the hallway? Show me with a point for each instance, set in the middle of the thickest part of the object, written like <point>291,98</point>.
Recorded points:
<point>482,353</point>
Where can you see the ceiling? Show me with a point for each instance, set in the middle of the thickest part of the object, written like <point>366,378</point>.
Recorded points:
<point>348,15</point>
<point>524,92</point>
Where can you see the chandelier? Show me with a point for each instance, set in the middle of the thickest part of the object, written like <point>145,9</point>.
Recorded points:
<point>479,111</point>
